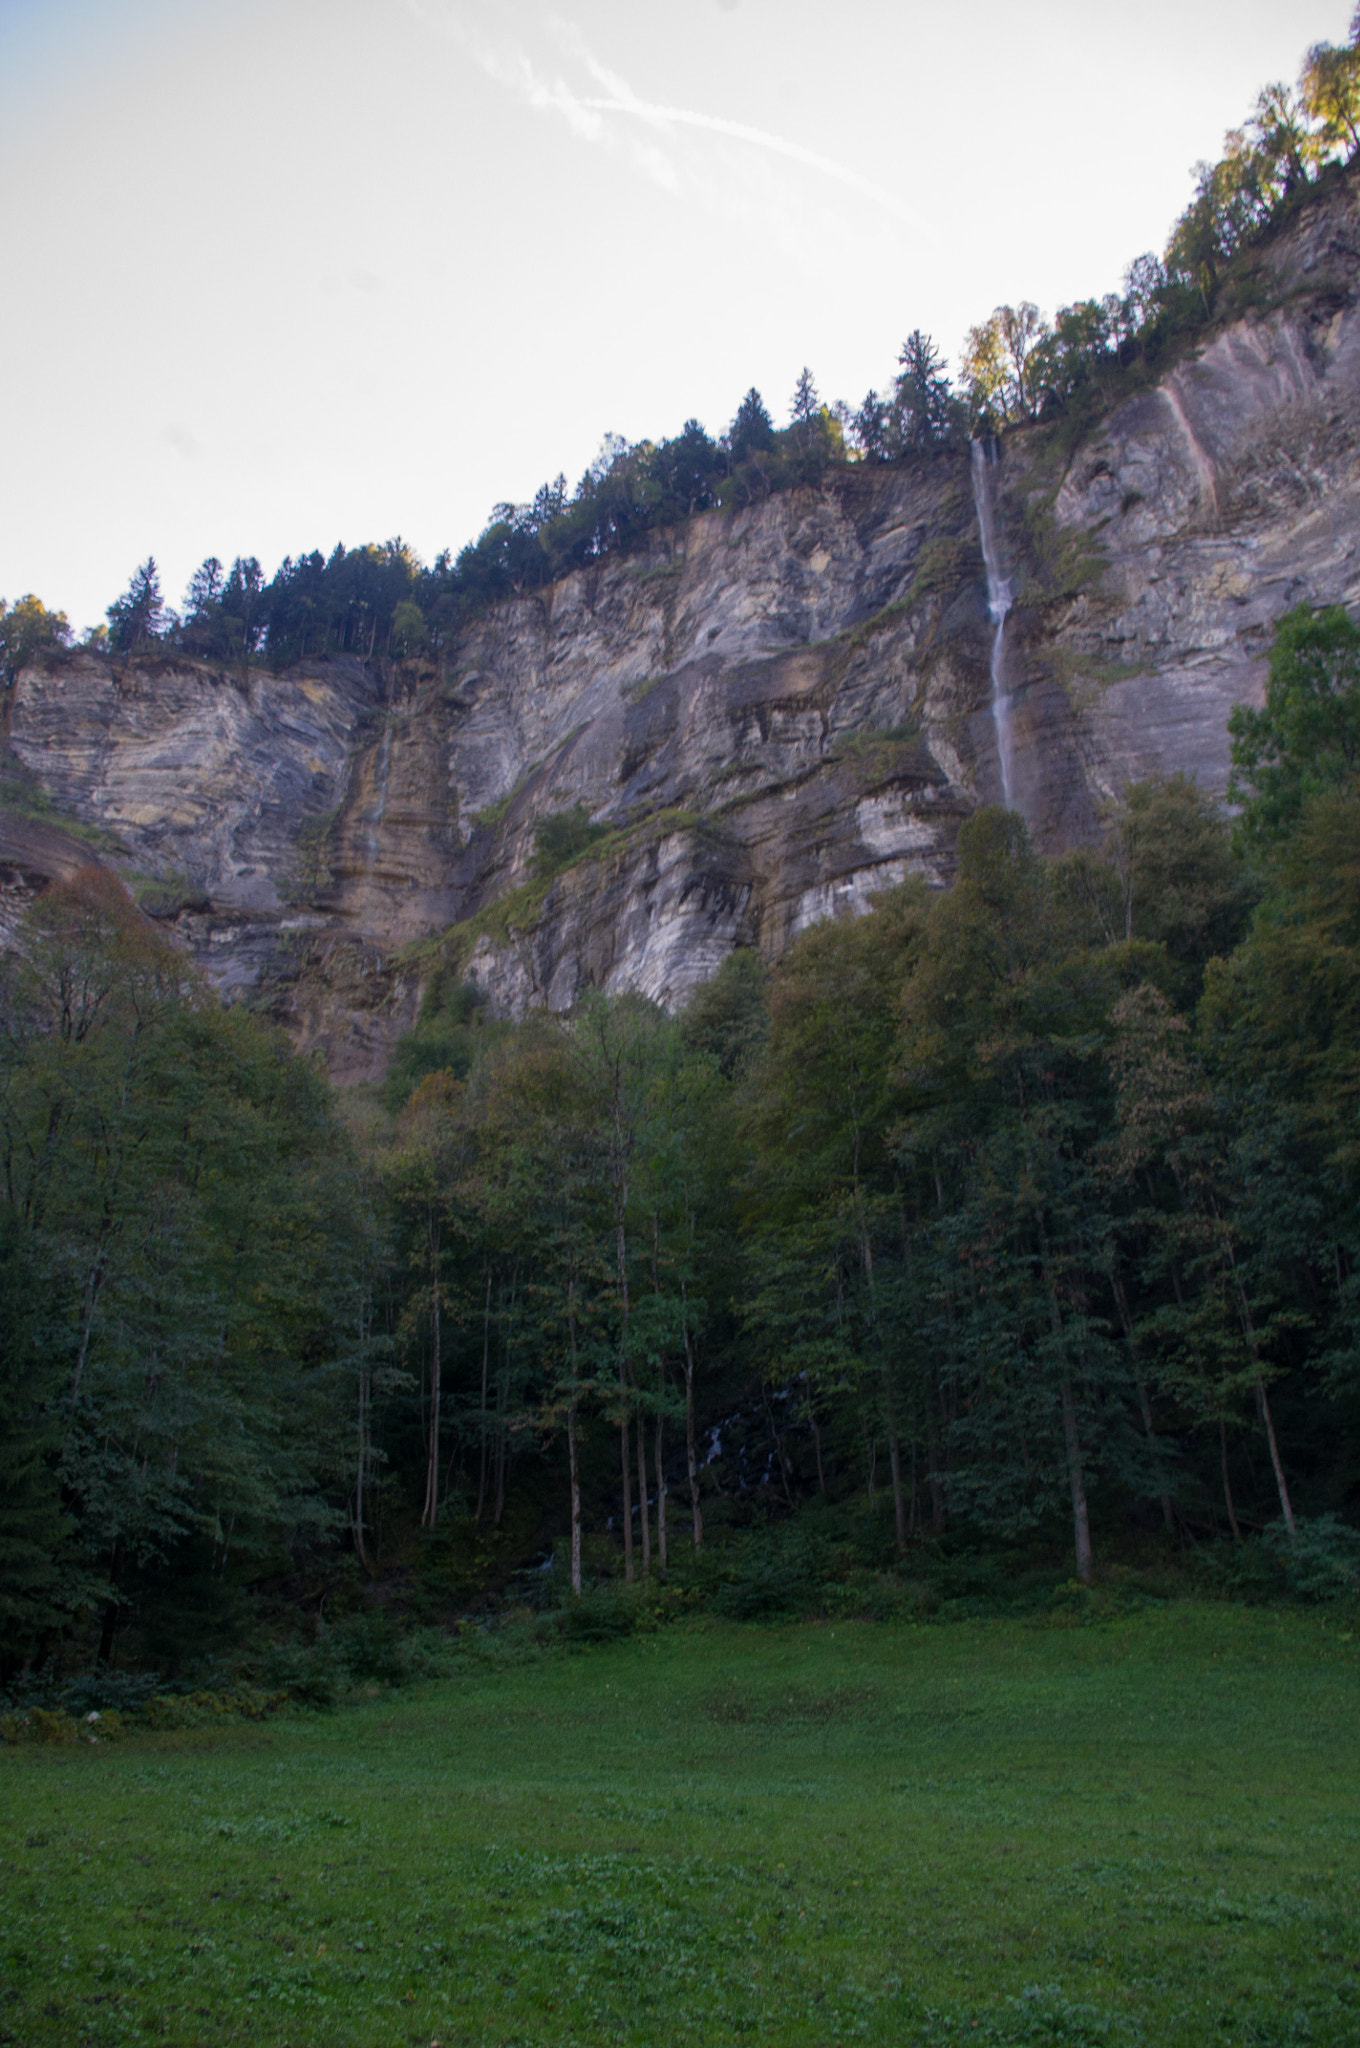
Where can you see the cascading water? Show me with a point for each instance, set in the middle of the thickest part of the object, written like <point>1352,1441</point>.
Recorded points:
<point>1000,597</point>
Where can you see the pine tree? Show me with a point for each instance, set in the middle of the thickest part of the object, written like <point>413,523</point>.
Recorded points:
<point>137,616</point>
<point>752,430</point>
<point>806,401</point>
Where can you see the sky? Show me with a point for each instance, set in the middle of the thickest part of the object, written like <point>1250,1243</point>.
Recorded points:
<point>282,275</point>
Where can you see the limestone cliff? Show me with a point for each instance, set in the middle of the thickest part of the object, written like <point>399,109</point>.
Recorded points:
<point>775,711</point>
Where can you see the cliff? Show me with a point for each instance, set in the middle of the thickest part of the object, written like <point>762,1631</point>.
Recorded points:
<point>773,712</point>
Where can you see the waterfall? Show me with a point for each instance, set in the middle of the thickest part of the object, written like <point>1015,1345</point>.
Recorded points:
<point>1000,597</point>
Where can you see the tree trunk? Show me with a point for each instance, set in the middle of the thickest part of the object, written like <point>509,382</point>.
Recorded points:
<point>361,1474</point>
<point>1081,1522</point>
<point>642,1495</point>
<point>1263,1409</point>
<point>1227,1489</point>
<point>894,1454</point>
<point>895,1465</point>
<point>93,1287</point>
<point>1145,1406</point>
<point>690,1445</point>
<point>575,1500</point>
<point>816,1436</point>
<point>933,1475</point>
<point>777,1440</point>
<point>659,1462</point>
<point>107,1631</point>
<point>627,1482</point>
<point>1076,1476</point>
<point>430,1512</point>
<point>486,1366</point>
<point>1262,1404</point>
<point>108,1627</point>
<point>500,1456</point>
<point>625,1392</point>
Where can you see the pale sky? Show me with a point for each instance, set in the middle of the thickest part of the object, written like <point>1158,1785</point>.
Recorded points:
<point>280,275</point>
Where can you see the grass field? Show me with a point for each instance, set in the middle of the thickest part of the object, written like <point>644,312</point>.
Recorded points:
<point>1147,1831</point>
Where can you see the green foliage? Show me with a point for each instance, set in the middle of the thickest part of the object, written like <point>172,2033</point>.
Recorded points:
<point>726,1018</point>
<point>27,630</point>
<point>1321,1560</point>
<point>1305,739</point>
<point>41,1580</point>
<point>452,1017</point>
<point>175,1176</point>
<point>1022,1213</point>
<point>137,616</point>
<point>564,837</point>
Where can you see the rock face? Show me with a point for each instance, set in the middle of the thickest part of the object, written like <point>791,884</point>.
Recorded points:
<point>770,713</point>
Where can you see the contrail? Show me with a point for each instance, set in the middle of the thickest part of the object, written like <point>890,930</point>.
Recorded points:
<point>761,138</point>
<point>623,100</point>
<point>511,67</point>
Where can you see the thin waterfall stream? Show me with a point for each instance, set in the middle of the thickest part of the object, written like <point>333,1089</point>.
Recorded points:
<point>1000,598</point>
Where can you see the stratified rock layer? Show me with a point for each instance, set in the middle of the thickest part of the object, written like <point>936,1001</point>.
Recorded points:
<point>775,711</point>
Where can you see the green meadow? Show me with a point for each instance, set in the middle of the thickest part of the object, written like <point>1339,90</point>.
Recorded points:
<point>1143,1831</point>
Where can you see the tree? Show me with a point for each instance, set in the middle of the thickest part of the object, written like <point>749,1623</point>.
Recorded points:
<point>203,631</point>
<point>1167,874</point>
<point>205,589</point>
<point>240,608</point>
<point>539,1190</point>
<point>806,404</point>
<point>922,400</point>
<point>999,364</point>
<point>618,1048</point>
<point>1280,136</point>
<point>1329,93</point>
<point>137,616</point>
<point>41,1579</point>
<point>869,427</point>
<point>727,1019</point>
<point>422,1176</point>
<point>1144,296</point>
<point>171,1169</point>
<point>1306,737</point>
<point>752,431</point>
<point>1229,1313</point>
<point>27,629</point>
<point>820,1305</point>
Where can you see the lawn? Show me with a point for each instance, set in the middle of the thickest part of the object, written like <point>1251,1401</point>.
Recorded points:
<point>1146,1831</point>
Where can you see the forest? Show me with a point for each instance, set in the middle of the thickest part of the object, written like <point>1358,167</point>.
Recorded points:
<point>1022,1216</point>
<point>1017,367</point>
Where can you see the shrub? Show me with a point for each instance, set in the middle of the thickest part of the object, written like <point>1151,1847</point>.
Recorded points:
<point>1323,1560</point>
<point>310,1673</point>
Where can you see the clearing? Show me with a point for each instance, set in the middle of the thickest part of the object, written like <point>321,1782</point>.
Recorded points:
<point>1146,1831</point>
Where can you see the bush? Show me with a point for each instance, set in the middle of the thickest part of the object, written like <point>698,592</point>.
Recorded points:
<point>1323,1560</point>
<point>778,1571</point>
<point>601,1615</point>
<point>203,1709</point>
<point>370,1646</point>
<point>310,1673</point>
